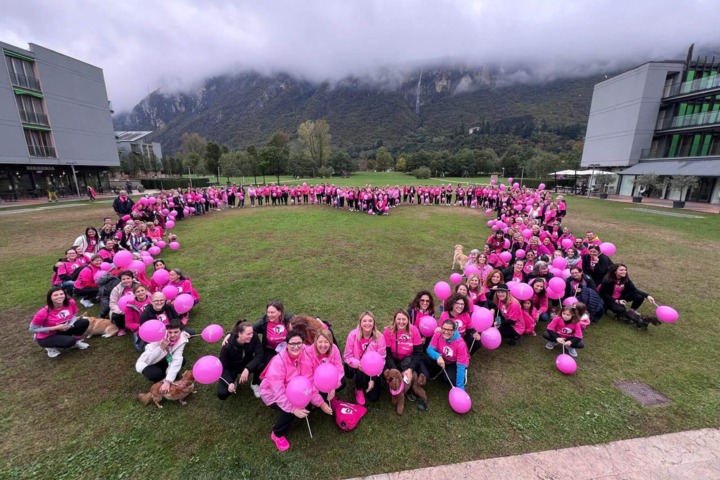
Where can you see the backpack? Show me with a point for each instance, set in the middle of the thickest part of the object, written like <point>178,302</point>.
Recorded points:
<point>347,415</point>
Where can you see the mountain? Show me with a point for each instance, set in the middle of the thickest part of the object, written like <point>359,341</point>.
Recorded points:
<point>245,109</point>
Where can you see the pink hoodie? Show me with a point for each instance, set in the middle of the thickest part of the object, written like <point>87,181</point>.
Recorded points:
<point>279,372</point>
<point>354,350</point>
<point>310,361</point>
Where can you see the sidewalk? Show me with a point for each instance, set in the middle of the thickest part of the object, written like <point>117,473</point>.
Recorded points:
<point>72,201</point>
<point>683,455</point>
<point>657,202</point>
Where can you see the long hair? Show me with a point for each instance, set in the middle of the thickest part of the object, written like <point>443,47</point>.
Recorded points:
<point>393,325</point>
<point>450,302</point>
<point>375,333</point>
<point>416,301</point>
<point>240,326</point>
<point>49,301</point>
<point>327,335</point>
<point>612,273</point>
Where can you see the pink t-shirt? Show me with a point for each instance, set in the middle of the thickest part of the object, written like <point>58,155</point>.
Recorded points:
<point>52,317</point>
<point>617,291</point>
<point>401,345</point>
<point>275,334</point>
<point>462,321</point>
<point>452,352</point>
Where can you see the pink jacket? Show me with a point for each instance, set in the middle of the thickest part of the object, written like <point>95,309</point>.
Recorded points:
<point>281,369</point>
<point>309,361</point>
<point>354,352</point>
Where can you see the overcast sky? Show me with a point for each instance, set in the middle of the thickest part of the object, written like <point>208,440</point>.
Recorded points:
<point>144,45</point>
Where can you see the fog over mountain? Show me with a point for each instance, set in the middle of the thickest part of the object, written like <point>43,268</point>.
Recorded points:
<point>176,45</point>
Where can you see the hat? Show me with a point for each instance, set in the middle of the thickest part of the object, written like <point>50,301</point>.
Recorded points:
<point>502,287</point>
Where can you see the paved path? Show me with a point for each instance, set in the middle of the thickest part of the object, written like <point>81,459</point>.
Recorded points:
<point>683,455</point>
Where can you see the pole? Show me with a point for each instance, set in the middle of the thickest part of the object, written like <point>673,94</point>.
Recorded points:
<point>522,175</point>
<point>190,176</point>
<point>592,174</point>
<point>218,176</point>
<point>77,188</point>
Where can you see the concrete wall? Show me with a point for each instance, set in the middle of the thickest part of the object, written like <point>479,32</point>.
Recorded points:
<point>13,147</point>
<point>77,106</point>
<point>623,115</point>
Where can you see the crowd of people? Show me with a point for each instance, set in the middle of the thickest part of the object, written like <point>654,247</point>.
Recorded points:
<point>528,245</point>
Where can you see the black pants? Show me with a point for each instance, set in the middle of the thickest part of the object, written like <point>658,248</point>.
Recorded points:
<point>118,319</point>
<point>362,381</point>
<point>67,338</point>
<point>229,377</point>
<point>574,341</point>
<point>635,300</point>
<point>436,371</point>
<point>156,371</point>
<point>420,369</point>
<point>508,332</point>
<point>471,342</point>
<point>283,421</point>
<point>268,354</point>
<point>92,293</point>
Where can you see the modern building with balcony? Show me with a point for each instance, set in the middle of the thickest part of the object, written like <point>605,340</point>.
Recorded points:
<point>137,145</point>
<point>659,118</point>
<point>55,123</point>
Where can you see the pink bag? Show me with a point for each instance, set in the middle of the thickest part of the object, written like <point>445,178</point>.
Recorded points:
<point>347,415</point>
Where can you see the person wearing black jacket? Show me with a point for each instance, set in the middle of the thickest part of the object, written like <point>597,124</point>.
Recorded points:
<point>617,289</point>
<point>123,204</point>
<point>583,288</point>
<point>241,355</point>
<point>516,272</point>
<point>272,329</point>
<point>595,264</point>
<point>159,309</point>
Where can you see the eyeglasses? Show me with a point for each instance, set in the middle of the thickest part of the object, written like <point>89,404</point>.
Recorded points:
<point>158,301</point>
<point>460,304</point>
<point>447,330</point>
<point>295,344</point>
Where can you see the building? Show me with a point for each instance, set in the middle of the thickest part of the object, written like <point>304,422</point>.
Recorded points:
<point>135,144</point>
<point>55,121</point>
<point>662,118</point>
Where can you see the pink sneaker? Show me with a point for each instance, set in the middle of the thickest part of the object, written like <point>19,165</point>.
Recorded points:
<point>359,397</point>
<point>280,442</point>
<point>121,332</point>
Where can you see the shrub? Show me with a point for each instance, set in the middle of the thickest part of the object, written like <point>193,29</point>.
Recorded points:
<point>422,172</point>
<point>166,183</point>
<point>325,172</point>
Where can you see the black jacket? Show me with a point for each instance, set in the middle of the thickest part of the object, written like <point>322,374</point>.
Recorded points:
<point>261,325</point>
<point>123,208</point>
<point>600,270</point>
<point>607,287</point>
<point>236,357</point>
<point>149,313</point>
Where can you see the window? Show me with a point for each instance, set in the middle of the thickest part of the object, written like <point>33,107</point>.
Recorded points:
<point>22,73</point>
<point>31,109</point>
<point>39,143</point>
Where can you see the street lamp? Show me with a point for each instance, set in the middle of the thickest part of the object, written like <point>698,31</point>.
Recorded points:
<point>592,174</point>
<point>77,188</point>
<point>503,174</point>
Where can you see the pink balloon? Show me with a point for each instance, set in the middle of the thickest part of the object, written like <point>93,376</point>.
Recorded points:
<point>161,276</point>
<point>186,211</point>
<point>118,235</point>
<point>456,278</point>
<point>144,253</point>
<point>442,290</point>
<point>212,333</point>
<point>570,301</point>
<point>667,314</point>
<point>556,272</point>
<point>299,391</point>
<point>169,224</point>
<point>495,227</point>
<point>491,338</point>
<point>566,364</point>
<point>142,201</point>
<point>506,256</point>
<point>105,266</point>
<point>372,364</point>
<point>527,233</point>
<point>516,186</point>
<point>98,275</point>
<point>502,187</point>
<point>559,262</point>
<point>506,243</point>
<point>154,250</point>
<point>122,259</point>
<point>566,243</point>
<point>471,270</point>
<point>541,186</point>
<point>170,292</point>
<point>152,200</point>
<point>482,319</point>
<point>557,284</point>
<point>123,301</point>
<point>165,211</point>
<point>608,249</point>
<point>510,179</point>
<point>553,294</point>
<point>183,303</point>
<point>161,244</point>
<point>488,211</point>
<point>522,291</point>
<point>565,273</point>
<point>152,331</point>
<point>427,325</point>
<point>207,369</point>
<point>137,266</point>
<point>174,245</point>
<point>192,209</point>
<point>126,217</point>
<point>174,213</point>
<point>520,253</point>
<point>459,400</point>
<point>325,377</point>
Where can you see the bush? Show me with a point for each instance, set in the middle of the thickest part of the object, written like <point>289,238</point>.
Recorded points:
<point>325,172</point>
<point>167,183</point>
<point>422,172</point>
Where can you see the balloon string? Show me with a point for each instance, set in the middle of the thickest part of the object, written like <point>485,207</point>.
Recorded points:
<point>448,377</point>
<point>472,345</point>
<point>563,347</point>
<point>226,382</point>
<point>308,424</point>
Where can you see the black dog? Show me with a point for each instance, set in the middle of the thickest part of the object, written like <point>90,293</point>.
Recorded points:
<point>640,321</point>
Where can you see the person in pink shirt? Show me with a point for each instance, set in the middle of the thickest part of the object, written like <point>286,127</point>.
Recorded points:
<point>134,309</point>
<point>507,309</point>
<point>272,329</point>
<point>457,309</point>
<point>447,351</point>
<point>565,329</point>
<point>321,352</point>
<point>183,284</point>
<point>365,338</point>
<point>55,325</point>
<point>530,317</point>
<point>404,346</point>
<point>85,285</point>
<point>65,270</point>
<point>282,368</point>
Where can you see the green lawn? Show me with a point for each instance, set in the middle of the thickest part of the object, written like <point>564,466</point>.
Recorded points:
<point>76,416</point>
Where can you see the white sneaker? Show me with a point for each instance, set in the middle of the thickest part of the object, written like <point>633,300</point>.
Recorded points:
<point>86,303</point>
<point>550,345</point>
<point>256,390</point>
<point>572,352</point>
<point>52,352</point>
<point>80,345</point>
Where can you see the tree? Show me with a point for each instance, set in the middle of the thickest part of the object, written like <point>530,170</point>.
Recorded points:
<point>231,164</point>
<point>300,165</point>
<point>192,150</point>
<point>213,151</point>
<point>341,161</point>
<point>276,153</point>
<point>486,160</point>
<point>253,162</point>
<point>383,159</point>
<point>401,164</point>
<point>543,163</point>
<point>315,136</point>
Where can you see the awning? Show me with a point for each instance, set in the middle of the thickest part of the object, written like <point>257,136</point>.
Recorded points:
<point>580,173</point>
<point>699,168</point>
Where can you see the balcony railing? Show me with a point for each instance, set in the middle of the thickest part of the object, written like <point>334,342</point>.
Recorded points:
<point>34,117</point>
<point>43,152</point>
<point>25,81</point>
<point>692,86</point>
<point>694,120</point>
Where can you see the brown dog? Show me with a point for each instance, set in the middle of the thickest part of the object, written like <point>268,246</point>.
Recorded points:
<point>398,388</point>
<point>310,326</point>
<point>178,391</point>
<point>100,326</point>
<point>459,258</point>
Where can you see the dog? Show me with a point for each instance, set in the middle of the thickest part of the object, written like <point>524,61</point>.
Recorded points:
<point>459,258</point>
<point>178,391</point>
<point>100,326</point>
<point>310,326</point>
<point>398,388</point>
<point>640,321</point>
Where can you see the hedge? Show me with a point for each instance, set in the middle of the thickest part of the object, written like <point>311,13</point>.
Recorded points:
<point>165,183</point>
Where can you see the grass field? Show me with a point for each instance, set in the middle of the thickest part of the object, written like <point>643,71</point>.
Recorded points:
<point>76,416</point>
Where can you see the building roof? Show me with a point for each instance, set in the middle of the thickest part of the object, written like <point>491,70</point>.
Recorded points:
<point>130,136</point>
<point>700,168</point>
